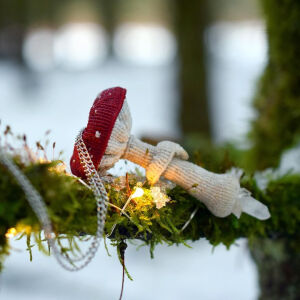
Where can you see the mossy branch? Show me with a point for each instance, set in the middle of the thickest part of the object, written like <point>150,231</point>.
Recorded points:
<point>71,206</point>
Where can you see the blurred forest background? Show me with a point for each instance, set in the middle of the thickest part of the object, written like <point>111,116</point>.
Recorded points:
<point>192,70</point>
<point>81,35</point>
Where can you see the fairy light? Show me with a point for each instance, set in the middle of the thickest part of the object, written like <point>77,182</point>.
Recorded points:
<point>11,232</point>
<point>139,192</point>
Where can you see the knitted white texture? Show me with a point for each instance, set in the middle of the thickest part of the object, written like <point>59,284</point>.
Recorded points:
<point>165,152</point>
<point>221,193</point>
<point>118,140</point>
<point>217,192</point>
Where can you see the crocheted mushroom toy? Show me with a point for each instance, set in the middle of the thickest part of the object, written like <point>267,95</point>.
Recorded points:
<point>107,139</point>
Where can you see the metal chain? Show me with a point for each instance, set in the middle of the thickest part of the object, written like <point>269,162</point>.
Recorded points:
<point>38,205</point>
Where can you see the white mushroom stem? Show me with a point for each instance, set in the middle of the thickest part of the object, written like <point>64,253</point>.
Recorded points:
<point>221,193</point>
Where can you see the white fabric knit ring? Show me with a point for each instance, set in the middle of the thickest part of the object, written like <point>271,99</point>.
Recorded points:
<point>166,151</point>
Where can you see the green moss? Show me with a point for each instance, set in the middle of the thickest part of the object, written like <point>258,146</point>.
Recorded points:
<point>277,128</point>
<point>72,209</point>
<point>277,100</point>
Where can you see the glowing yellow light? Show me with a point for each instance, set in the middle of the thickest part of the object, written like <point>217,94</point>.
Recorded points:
<point>24,228</point>
<point>11,232</point>
<point>139,192</point>
<point>59,169</point>
<point>42,160</point>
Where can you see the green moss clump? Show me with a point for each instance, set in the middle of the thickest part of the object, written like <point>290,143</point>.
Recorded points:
<point>277,128</point>
<point>72,209</point>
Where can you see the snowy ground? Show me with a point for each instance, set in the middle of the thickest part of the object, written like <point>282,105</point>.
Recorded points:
<point>60,101</point>
<point>175,273</point>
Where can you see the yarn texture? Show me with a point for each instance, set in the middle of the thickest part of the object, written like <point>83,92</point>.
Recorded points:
<point>96,135</point>
<point>221,193</point>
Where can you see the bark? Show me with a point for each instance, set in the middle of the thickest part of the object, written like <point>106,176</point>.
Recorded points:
<point>190,19</point>
<point>278,263</point>
<point>278,98</point>
<point>276,128</point>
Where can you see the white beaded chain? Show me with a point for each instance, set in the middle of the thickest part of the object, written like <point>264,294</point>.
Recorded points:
<point>38,205</point>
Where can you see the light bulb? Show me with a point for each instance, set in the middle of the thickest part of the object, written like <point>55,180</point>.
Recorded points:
<point>139,192</point>
<point>11,232</point>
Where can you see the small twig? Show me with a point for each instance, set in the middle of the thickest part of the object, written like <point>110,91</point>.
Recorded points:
<point>127,185</point>
<point>107,203</point>
<point>122,248</point>
<point>189,220</point>
<point>53,150</point>
<point>120,209</point>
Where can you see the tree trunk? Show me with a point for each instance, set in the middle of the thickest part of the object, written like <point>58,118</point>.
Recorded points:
<point>13,21</point>
<point>277,128</point>
<point>109,15</point>
<point>278,263</point>
<point>278,98</point>
<point>190,22</point>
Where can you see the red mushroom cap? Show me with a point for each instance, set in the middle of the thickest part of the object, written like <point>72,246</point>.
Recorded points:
<point>102,118</point>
